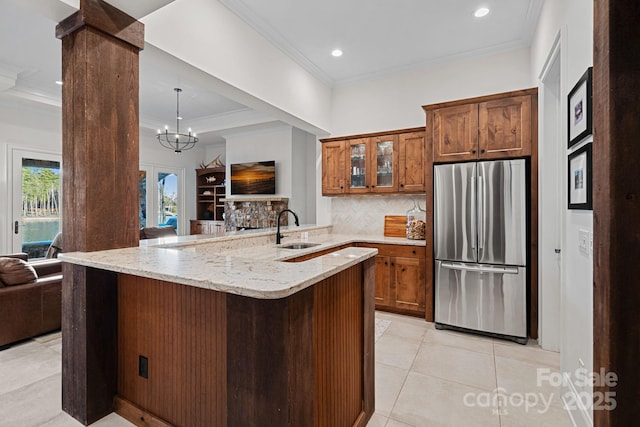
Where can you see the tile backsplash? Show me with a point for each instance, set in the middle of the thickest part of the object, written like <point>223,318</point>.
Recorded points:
<point>365,214</point>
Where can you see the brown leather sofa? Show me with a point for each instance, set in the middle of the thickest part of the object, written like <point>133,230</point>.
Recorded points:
<point>157,232</point>
<point>31,309</point>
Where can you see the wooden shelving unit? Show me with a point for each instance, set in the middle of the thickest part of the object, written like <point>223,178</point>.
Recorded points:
<point>209,205</point>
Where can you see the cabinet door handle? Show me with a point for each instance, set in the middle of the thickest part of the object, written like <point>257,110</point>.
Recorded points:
<point>413,251</point>
<point>392,264</point>
<point>473,151</point>
<point>373,186</point>
<point>386,263</point>
<point>482,150</point>
<point>401,185</point>
<point>403,270</point>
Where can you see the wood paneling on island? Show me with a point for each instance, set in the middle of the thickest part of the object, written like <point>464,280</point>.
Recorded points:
<point>218,359</point>
<point>181,330</point>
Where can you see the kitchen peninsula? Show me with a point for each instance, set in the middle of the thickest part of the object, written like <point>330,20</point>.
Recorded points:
<point>235,331</point>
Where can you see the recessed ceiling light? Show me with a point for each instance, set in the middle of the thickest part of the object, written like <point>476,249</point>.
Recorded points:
<point>336,52</point>
<point>59,82</point>
<point>483,11</point>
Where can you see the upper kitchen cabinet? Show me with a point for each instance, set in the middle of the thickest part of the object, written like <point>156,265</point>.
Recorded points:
<point>411,172</point>
<point>455,133</point>
<point>385,162</point>
<point>334,167</point>
<point>373,165</point>
<point>492,127</point>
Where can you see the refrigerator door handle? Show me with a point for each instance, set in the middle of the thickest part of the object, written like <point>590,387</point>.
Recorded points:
<point>481,212</point>
<point>480,269</point>
<point>474,202</point>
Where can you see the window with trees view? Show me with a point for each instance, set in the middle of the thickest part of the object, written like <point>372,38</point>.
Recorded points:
<point>41,205</point>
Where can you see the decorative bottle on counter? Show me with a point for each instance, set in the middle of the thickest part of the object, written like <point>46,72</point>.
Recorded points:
<point>416,222</point>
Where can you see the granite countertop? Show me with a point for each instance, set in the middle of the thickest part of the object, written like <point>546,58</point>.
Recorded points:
<point>243,263</point>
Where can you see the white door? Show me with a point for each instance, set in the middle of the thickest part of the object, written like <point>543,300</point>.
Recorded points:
<point>36,188</point>
<point>552,199</point>
<point>161,197</point>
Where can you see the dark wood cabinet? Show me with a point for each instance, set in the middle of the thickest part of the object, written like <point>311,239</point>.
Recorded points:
<point>411,172</point>
<point>455,133</point>
<point>505,127</point>
<point>203,226</point>
<point>334,168</point>
<point>493,129</point>
<point>210,189</point>
<point>377,163</point>
<point>400,279</point>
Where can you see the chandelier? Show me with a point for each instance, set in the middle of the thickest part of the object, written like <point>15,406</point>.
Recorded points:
<point>177,141</point>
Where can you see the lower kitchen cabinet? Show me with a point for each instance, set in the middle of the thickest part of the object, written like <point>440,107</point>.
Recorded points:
<point>400,279</point>
<point>201,226</point>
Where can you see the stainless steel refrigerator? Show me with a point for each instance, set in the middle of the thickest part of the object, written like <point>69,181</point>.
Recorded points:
<point>480,247</point>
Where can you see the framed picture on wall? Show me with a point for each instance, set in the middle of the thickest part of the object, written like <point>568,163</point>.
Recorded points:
<point>580,188</point>
<point>579,105</point>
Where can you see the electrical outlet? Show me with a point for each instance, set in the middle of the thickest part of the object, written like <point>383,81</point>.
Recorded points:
<point>591,241</point>
<point>143,366</point>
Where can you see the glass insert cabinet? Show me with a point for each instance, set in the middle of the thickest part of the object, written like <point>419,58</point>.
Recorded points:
<point>373,164</point>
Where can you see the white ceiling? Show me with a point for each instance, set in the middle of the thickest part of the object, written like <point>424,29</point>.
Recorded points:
<point>377,37</point>
<point>384,36</point>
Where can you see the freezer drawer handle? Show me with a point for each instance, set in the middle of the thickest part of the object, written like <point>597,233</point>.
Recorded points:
<point>484,269</point>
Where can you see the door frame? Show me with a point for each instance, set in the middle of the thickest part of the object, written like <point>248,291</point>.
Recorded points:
<point>152,170</point>
<point>550,336</point>
<point>14,172</point>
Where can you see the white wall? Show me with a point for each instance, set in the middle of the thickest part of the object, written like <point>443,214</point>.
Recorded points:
<point>289,147</point>
<point>221,44</point>
<point>28,130</point>
<point>395,102</point>
<point>573,19</point>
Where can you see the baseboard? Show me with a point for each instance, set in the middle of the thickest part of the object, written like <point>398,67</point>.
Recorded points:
<point>580,415</point>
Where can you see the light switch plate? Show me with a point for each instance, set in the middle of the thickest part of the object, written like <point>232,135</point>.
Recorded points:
<point>583,241</point>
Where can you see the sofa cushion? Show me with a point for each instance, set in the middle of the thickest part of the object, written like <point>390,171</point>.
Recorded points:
<point>14,271</point>
<point>55,248</point>
<point>157,232</point>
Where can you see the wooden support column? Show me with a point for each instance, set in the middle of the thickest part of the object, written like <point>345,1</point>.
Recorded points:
<point>100,159</point>
<point>616,207</point>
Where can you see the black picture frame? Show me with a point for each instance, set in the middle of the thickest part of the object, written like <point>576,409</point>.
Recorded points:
<point>579,106</point>
<point>580,184</point>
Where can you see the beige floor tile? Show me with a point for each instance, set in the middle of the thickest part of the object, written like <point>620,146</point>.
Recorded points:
<point>516,414</point>
<point>418,321</point>
<point>112,420</point>
<point>407,330</point>
<point>17,351</point>
<point>456,364</point>
<point>530,353</point>
<point>396,351</point>
<point>389,381</point>
<point>517,377</point>
<point>377,420</point>
<point>34,404</point>
<point>29,368</point>
<point>394,423</point>
<point>433,402</point>
<point>458,340</point>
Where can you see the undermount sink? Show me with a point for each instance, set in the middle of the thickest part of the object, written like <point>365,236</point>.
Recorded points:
<point>298,245</point>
